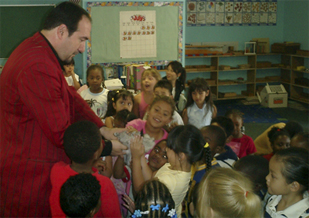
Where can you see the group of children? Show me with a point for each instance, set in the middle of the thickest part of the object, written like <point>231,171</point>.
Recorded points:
<point>192,169</point>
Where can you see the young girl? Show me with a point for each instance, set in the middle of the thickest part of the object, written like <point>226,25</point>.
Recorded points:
<point>200,108</point>
<point>96,95</point>
<point>185,146</point>
<point>142,100</point>
<point>241,144</point>
<point>176,74</point>
<point>227,193</point>
<point>160,113</point>
<point>287,181</point>
<point>70,76</point>
<point>154,200</point>
<point>118,100</point>
<point>279,139</point>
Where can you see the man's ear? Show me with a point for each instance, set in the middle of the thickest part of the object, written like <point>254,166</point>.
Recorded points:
<point>61,31</point>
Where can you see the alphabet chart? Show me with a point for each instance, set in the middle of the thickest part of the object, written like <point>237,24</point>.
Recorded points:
<point>138,34</point>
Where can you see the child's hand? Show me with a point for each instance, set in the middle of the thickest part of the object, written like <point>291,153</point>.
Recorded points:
<point>100,165</point>
<point>137,147</point>
<point>129,203</point>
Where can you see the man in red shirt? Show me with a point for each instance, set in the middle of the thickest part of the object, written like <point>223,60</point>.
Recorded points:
<point>36,107</point>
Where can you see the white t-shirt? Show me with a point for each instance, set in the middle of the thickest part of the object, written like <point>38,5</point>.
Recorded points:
<point>97,101</point>
<point>199,117</point>
<point>70,79</point>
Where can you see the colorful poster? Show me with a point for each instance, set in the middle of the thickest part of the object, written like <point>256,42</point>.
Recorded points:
<point>138,34</point>
<point>232,13</point>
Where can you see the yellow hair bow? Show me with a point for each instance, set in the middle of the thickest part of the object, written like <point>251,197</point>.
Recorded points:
<point>206,145</point>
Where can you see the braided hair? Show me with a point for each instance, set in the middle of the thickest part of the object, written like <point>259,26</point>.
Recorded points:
<point>153,200</point>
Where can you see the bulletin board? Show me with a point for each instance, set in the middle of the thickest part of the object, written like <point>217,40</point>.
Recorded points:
<point>232,13</point>
<point>13,29</point>
<point>110,32</point>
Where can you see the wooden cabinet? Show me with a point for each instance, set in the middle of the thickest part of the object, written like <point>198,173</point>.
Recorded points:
<point>299,84</point>
<point>241,76</point>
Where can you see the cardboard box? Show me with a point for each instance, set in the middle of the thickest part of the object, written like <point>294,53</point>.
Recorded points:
<point>273,96</point>
<point>285,48</point>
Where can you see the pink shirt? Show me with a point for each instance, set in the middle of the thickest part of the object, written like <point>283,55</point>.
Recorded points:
<point>242,146</point>
<point>142,106</point>
<point>139,125</point>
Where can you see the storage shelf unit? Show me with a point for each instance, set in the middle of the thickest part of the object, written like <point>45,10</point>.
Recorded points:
<point>284,70</point>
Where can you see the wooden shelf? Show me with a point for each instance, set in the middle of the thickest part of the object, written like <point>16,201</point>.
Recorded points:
<point>238,69</point>
<point>301,86</point>
<point>287,75</point>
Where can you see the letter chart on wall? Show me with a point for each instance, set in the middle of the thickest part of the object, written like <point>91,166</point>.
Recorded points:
<point>138,34</point>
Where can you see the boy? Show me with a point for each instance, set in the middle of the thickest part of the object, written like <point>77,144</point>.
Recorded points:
<point>80,196</point>
<point>165,88</point>
<point>83,145</point>
<point>256,168</point>
<point>225,155</point>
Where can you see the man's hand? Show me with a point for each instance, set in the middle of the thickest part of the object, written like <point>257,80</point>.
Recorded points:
<point>108,133</point>
<point>118,148</point>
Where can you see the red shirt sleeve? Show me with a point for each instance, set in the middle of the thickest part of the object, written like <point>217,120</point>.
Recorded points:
<point>109,198</point>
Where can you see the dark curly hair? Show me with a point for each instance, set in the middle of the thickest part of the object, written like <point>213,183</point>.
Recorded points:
<point>79,195</point>
<point>81,140</point>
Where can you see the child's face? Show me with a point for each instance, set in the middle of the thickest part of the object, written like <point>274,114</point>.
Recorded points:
<point>122,104</point>
<point>237,120</point>
<point>282,142</point>
<point>148,82</point>
<point>171,75</point>
<point>160,114</point>
<point>199,96</point>
<point>162,91</point>
<point>275,181</point>
<point>95,79</point>
<point>69,68</point>
<point>157,157</point>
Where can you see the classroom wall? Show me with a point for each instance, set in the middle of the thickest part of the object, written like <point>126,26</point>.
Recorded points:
<point>296,22</point>
<point>240,34</point>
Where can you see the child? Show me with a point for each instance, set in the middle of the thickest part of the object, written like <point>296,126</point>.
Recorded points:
<point>279,139</point>
<point>287,181</point>
<point>83,145</point>
<point>301,140</point>
<point>96,95</point>
<point>160,113</point>
<point>200,108</point>
<point>227,193</point>
<point>164,87</point>
<point>225,156</point>
<point>241,144</point>
<point>214,137</point>
<point>70,76</point>
<point>80,196</point>
<point>142,100</point>
<point>118,100</point>
<point>154,200</point>
<point>176,75</point>
<point>185,146</point>
<point>262,143</point>
<point>256,169</point>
